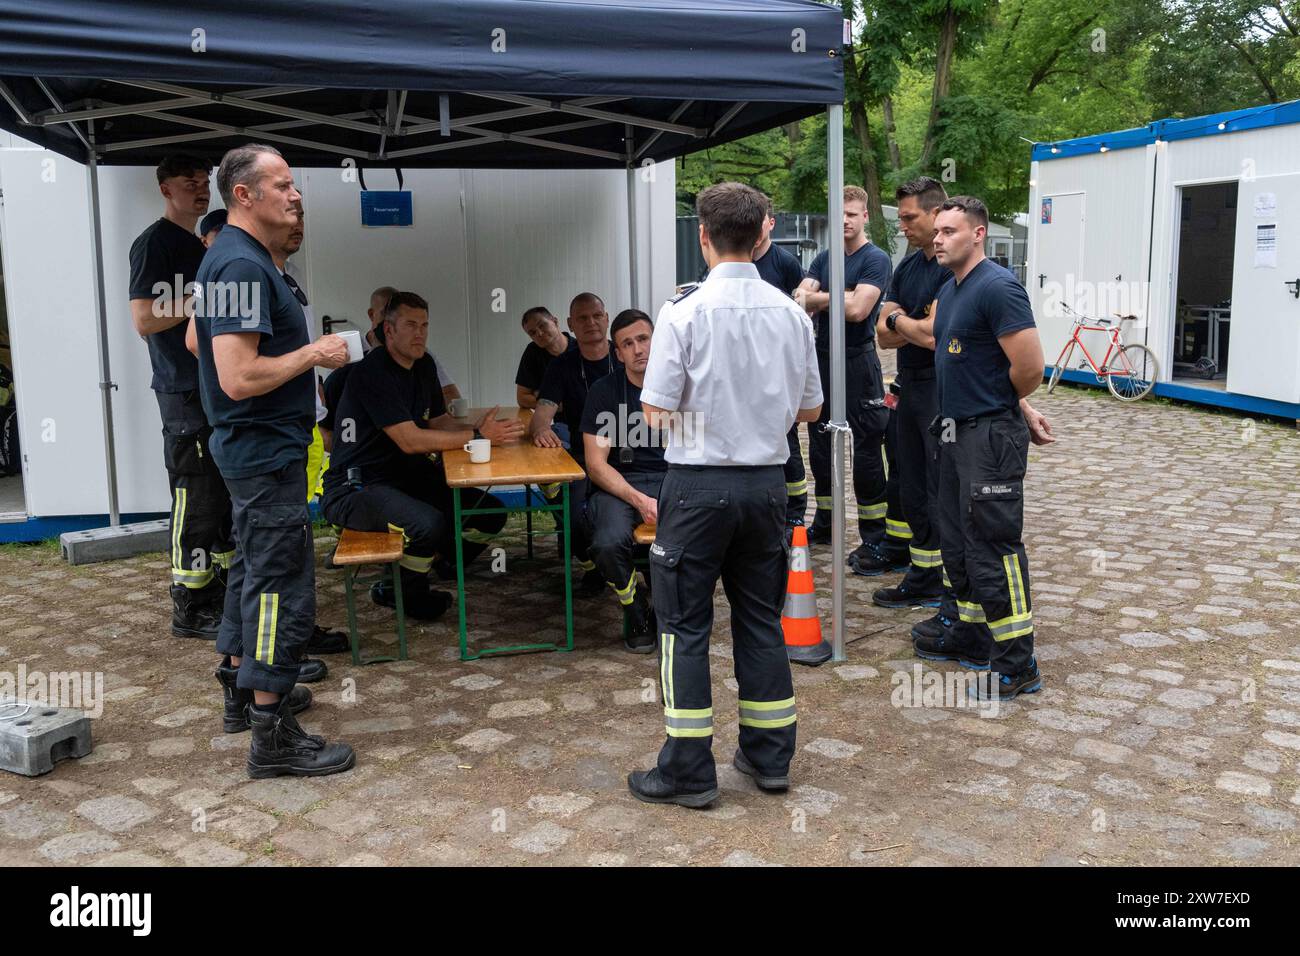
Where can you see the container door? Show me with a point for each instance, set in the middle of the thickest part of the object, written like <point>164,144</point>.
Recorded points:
<point>1264,348</point>
<point>1057,266</point>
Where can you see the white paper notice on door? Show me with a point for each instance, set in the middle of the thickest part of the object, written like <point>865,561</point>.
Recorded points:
<point>1265,205</point>
<point>1266,246</point>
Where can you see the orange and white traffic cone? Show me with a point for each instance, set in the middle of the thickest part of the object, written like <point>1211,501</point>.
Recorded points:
<point>803,629</point>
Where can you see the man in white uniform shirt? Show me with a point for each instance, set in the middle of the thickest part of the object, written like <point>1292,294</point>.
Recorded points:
<point>732,368</point>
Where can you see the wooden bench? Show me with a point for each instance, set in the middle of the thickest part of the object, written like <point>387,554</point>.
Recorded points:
<point>356,549</point>
<point>644,534</point>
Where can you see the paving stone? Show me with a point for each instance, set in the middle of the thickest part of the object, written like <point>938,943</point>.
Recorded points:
<point>475,682</point>
<point>1267,818</point>
<point>377,725</point>
<point>1234,781</point>
<point>1265,761</point>
<point>1053,799</point>
<point>1245,848</point>
<point>117,813</point>
<point>562,805</point>
<point>813,800</point>
<point>951,843</point>
<point>1101,750</point>
<point>170,746</point>
<point>485,740</point>
<point>1186,699</point>
<point>344,817</point>
<point>988,785</point>
<point>830,747</point>
<point>745,858</point>
<point>577,703</point>
<point>186,715</point>
<point>208,852</point>
<point>546,837</point>
<point>243,823</point>
<point>1072,723</point>
<point>518,708</point>
<point>126,858</point>
<point>996,756</point>
<point>1120,787</point>
<point>855,672</point>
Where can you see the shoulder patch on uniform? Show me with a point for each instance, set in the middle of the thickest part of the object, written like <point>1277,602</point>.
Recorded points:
<point>684,293</point>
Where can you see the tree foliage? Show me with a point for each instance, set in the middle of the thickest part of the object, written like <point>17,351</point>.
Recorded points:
<point>959,104</point>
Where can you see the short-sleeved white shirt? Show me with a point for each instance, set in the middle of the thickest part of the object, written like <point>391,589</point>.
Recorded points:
<point>737,359</point>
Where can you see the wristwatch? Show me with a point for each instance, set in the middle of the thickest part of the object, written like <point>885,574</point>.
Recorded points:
<point>891,320</point>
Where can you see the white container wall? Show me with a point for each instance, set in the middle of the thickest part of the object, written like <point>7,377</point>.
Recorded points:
<point>1114,225</point>
<point>537,236</point>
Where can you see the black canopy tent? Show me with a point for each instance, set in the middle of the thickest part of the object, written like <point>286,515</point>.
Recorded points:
<point>485,83</point>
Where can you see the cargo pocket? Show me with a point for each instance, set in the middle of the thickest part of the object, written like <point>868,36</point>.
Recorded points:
<point>184,448</point>
<point>997,509</point>
<point>279,541</point>
<point>664,563</point>
<point>1009,446</point>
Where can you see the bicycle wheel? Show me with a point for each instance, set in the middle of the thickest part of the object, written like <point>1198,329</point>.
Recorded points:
<point>1059,367</point>
<point>1133,374</point>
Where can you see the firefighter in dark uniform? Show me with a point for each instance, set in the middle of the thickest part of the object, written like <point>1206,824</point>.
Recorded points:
<point>732,369</point>
<point>257,384</point>
<point>625,462</point>
<point>391,421</point>
<point>911,293</point>
<point>164,261</point>
<point>867,269</point>
<point>987,357</point>
<point>779,267</point>
<point>568,379</point>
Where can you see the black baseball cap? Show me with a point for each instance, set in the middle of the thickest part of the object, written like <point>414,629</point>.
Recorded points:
<point>213,220</point>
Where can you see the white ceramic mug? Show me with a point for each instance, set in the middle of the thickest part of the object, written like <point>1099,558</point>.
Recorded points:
<point>458,407</point>
<point>480,450</point>
<point>353,338</point>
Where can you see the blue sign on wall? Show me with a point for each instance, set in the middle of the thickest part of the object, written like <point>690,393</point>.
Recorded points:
<point>386,207</point>
<point>1047,211</point>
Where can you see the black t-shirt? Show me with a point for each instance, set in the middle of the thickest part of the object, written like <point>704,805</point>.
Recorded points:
<point>868,265</point>
<point>779,267</point>
<point>535,361</point>
<point>915,283</point>
<point>380,393</point>
<point>240,290</point>
<point>160,254</point>
<point>333,389</point>
<point>613,410</point>
<point>970,365</point>
<point>567,381</point>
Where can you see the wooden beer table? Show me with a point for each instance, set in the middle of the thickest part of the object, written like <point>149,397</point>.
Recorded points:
<point>516,463</point>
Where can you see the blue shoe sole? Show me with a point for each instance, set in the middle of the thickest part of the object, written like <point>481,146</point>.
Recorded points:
<point>900,605</point>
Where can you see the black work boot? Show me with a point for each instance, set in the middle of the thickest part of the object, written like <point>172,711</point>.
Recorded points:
<point>235,719</point>
<point>419,601</point>
<point>770,784</point>
<point>904,596</point>
<point>194,614</point>
<point>1007,686</point>
<point>962,644</point>
<point>649,787</point>
<point>870,560</point>
<point>592,584</point>
<point>326,641</point>
<point>932,627</point>
<point>281,748</point>
<point>819,532</point>
<point>639,625</point>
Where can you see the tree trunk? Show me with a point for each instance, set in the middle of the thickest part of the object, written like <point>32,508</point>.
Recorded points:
<point>895,160</point>
<point>942,78</point>
<point>877,228</point>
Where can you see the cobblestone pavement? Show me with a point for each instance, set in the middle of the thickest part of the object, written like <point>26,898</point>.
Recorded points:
<point>1164,550</point>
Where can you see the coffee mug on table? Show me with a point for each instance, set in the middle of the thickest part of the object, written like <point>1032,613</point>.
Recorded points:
<point>458,407</point>
<point>353,338</point>
<point>480,450</point>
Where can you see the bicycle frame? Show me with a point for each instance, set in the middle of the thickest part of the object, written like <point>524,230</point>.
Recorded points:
<point>1116,347</point>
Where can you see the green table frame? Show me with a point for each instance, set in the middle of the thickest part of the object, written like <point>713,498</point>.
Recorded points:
<point>528,508</point>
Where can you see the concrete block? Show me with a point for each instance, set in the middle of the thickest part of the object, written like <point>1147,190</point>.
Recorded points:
<point>109,544</point>
<point>34,737</point>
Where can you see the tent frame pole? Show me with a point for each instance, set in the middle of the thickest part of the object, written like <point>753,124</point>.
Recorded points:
<point>837,425</point>
<point>633,277</point>
<point>106,384</point>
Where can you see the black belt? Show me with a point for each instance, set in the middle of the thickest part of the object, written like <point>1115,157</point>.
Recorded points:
<point>673,466</point>
<point>923,373</point>
<point>852,351</point>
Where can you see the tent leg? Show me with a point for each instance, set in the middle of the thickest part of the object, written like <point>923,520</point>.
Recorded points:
<point>838,426</point>
<point>106,385</point>
<point>632,263</point>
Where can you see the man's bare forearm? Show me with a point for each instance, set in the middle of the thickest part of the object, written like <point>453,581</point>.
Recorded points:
<point>263,373</point>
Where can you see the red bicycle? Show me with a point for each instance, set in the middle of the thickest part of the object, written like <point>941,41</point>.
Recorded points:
<point>1129,371</point>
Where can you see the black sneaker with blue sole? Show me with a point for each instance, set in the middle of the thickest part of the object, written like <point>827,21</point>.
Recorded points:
<point>1007,686</point>
<point>945,648</point>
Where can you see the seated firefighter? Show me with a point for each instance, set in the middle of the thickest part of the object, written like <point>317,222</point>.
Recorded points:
<point>385,472</point>
<point>625,462</point>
